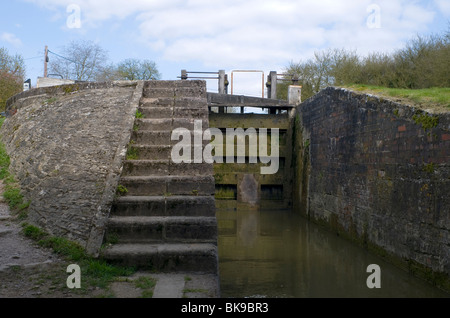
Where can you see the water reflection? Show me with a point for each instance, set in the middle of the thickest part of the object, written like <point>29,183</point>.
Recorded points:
<point>279,254</point>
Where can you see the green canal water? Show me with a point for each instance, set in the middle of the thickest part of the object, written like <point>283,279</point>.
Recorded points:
<point>277,254</point>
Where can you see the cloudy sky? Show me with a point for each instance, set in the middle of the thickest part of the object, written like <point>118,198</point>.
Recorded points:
<point>201,35</point>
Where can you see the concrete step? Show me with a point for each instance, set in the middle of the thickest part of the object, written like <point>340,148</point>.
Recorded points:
<point>165,257</point>
<point>189,123</point>
<point>157,102</point>
<point>156,112</point>
<point>191,169</point>
<point>164,137</point>
<point>151,152</point>
<point>152,137</point>
<point>164,206</point>
<point>165,168</point>
<point>150,111</point>
<point>182,229</point>
<point>197,113</point>
<point>5,232</point>
<point>173,84</point>
<point>168,185</point>
<point>161,124</point>
<point>153,124</point>
<point>158,92</point>
<point>146,167</point>
<point>181,90</point>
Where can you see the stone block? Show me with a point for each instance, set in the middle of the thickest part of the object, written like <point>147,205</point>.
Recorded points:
<point>156,112</point>
<point>192,185</point>
<point>191,229</point>
<point>191,103</point>
<point>190,169</point>
<point>190,206</point>
<point>166,257</point>
<point>189,123</point>
<point>159,92</point>
<point>151,152</point>
<point>194,91</point>
<point>135,229</point>
<point>144,186</point>
<point>154,124</point>
<point>197,113</point>
<point>139,206</point>
<point>152,138</point>
<point>146,168</point>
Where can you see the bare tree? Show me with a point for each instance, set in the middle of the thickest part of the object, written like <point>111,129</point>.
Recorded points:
<point>12,72</point>
<point>133,69</point>
<point>108,74</point>
<point>314,74</point>
<point>129,70</point>
<point>80,60</point>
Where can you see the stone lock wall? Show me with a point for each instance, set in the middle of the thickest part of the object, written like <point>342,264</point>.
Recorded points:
<point>66,145</point>
<point>378,172</point>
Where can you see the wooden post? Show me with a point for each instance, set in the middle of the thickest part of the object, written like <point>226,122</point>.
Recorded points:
<point>273,85</point>
<point>221,82</point>
<point>222,89</point>
<point>294,95</point>
<point>46,62</point>
<point>272,92</point>
<point>226,83</point>
<point>184,75</point>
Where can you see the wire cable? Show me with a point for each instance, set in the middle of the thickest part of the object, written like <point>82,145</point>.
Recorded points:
<point>32,58</point>
<point>63,57</point>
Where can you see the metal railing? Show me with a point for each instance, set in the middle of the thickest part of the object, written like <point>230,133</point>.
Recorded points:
<point>272,79</point>
<point>247,71</point>
<point>222,77</point>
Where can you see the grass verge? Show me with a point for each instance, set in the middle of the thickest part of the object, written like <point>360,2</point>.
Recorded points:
<point>96,273</point>
<point>435,99</point>
<point>147,285</point>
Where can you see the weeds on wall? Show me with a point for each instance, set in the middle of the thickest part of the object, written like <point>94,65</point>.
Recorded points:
<point>12,192</point>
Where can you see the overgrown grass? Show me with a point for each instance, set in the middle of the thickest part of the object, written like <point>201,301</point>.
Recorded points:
<point>121,190</point>
<point>96,272</point>
<point>4,158</point>
<point>139,115</point>
<point>12,193</point>
<point>132,153</point>
<point>437,99</point>
<point>147,284</point>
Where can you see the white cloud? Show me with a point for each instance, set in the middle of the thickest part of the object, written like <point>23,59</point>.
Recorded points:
<point>443,6</point>
<point>254,33</point>
<point>269,31</point>
<point>11,39</point>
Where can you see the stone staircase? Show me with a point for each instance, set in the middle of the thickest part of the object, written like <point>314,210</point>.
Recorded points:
<point>164,216</point>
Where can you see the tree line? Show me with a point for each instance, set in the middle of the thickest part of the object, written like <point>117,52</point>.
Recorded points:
<point>88,61</point>
<point>423,63</point>
<point>80,61</point>
<point>12,73</point>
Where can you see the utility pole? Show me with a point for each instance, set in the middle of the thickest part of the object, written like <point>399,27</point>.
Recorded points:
<point>46,62</point>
